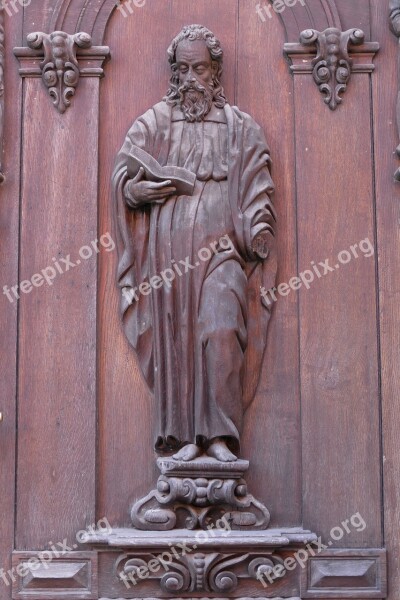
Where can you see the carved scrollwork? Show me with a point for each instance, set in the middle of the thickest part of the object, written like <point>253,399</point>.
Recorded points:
<point>215,572</point>
<point>60,68</point>
<point>191,501</point>
<point>332,66</point>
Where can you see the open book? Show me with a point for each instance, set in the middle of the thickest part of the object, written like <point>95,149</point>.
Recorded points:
<point>181,178</point>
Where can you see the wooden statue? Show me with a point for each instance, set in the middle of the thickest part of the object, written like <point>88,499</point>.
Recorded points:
<point>190,263</point>
<point>193,188</point>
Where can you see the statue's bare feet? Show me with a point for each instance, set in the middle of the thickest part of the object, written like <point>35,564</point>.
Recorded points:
<point>188,452</point>
<point>220,451</point>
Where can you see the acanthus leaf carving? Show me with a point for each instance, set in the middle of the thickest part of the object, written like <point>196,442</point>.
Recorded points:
<point>332,66</point>
<point>60,67</point>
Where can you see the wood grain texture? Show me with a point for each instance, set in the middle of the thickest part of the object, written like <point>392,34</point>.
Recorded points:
<point>9,220</point>
<point>388,239</point>
<point>338,345</point>
<point>273,418</point>
<point>57,341</point>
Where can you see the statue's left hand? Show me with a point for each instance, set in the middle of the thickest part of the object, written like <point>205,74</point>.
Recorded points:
<point>260,244</point>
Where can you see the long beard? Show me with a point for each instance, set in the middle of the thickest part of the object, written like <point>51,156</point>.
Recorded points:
<point>196,101</point>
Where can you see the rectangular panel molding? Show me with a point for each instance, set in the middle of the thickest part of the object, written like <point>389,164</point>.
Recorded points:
<point>38,575</point>
<point>345,574</point>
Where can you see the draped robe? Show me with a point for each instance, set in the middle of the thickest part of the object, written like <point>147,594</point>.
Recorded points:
<point>198,350</point>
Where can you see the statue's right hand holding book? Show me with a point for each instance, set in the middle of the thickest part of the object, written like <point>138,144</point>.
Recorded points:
<point>139,192</point>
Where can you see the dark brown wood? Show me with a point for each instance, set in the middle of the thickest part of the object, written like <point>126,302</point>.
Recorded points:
<point>394,6</point>
<point>57,355</point>
<point>121,363</point>
<point>357,573</point>
<point>224,562</point>
<point>313,430</point>
<point>339,377</point>
<point>274,416</point>
<point>49,575</point>
<point>388,239</point>
<point>2,61</point>
<point>9,219</point>
<point>208,251</point>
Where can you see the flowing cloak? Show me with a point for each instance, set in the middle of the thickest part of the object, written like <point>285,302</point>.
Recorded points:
<point>394,7</point>
<point>199,352</point>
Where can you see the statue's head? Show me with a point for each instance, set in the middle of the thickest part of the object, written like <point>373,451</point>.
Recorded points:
<point>196,57</point>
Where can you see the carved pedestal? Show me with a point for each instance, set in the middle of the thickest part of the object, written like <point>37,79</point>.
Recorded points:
<point>200,532</point>
<point>200,493</point>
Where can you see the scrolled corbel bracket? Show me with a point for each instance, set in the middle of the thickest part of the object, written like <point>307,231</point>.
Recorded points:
<point>338,55</point>
<point>60,59</point>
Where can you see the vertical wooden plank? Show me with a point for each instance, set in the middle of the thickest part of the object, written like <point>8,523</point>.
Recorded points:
<point>137,80</point>
<point>338,329</point>
<point>9,223</point>
<point>355,14</point>
<point>265,90</point>
<point>57,336</point>
<point>385,84</point>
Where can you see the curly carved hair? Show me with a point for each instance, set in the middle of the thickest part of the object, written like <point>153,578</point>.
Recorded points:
<point>192,33</point>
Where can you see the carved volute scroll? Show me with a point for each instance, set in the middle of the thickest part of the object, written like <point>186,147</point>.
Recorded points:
<point>60,68</point>
<point>394,7</point>
<point>338,55</point>
<point>332,66</point>
<point>61,59</point>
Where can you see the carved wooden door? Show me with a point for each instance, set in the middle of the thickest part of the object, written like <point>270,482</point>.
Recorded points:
<point>77,419</point>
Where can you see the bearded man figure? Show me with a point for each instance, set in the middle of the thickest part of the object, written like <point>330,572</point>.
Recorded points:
<point>199,351</point>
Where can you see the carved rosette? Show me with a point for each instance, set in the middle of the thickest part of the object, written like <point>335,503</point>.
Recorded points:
<point>197,495</point>
<point>60,68</point>
<point>332,66</point>
<point>214,572</point>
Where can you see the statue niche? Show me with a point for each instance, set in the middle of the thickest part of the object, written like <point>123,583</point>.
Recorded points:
<point>193,193</point>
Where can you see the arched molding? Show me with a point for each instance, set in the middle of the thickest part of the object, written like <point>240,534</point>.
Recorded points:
<point>92,16</point>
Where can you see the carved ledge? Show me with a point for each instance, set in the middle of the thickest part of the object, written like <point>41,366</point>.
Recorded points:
<point>216,561</point>
<point>60,60</point>
<point>339,54</point>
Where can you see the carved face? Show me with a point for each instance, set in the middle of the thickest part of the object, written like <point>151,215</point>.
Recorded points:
<point>196,82</point>
<point>194,63</point>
